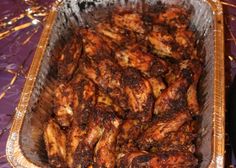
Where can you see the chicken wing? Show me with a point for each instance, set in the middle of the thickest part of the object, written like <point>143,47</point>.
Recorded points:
<point>107,75</point>
<point>74,138</point>
<point>180,140</point>
<point>65,104</point>
<point>133,56</point>
<point>157,86</point>
<point>93,43</point>
<point>113,33</point>
<point>148,160</point>
<point>192,97</point>
<point>174,17</point>
<point>129,20</point>
<point>83,156</point>
<point>106,100</point>
<point>56,147</point>
<point>85,90</point>
<point>139,93</point>
<point>175,96</point>
<point>69,58</point>
<point>162,127</point>
<point>105,150</point>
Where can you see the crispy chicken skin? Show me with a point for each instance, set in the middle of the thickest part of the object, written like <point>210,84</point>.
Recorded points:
<point>139,93</point>
<point>68,60</point>
<point>65,104</point>
<point>55,146</point>
<point>175,96</point>
<point>159,129</point>
<point>144,159</point>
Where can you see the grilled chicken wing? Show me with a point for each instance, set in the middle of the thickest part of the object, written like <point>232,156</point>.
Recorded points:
<point>83,156</point>
<point>55,142</point>
<point>65,104</point>
<point>69,58</point>
<point>157,86</point>
<point>139,93</point>
<point>161,128</point>
<point>129,133</point>
<point>103,127</point>
<point>105,150</point>
<point>107,75</point>
<point>129,20</point>
<point>180,140</point>
<point>148,160</point>
<point>133,56</point>
<point>86,93</point>
<point>175,96</point>
<point>192,97</point>
<point>93,43</point>
<point>74,138</point>
<point>174,17</point>
<point>115,34</point>
<point>106,100</point>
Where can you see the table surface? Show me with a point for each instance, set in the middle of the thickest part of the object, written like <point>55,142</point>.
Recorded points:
<point>21,23</point>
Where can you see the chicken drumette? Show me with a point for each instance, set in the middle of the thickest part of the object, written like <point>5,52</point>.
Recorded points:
<point>142,159</point>
<point>67,61</point>
<point>101,134</point>
<point>55,142</point>
<point>65,104</point>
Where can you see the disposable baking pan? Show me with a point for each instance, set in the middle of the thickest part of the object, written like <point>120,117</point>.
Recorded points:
<point>25,143</point>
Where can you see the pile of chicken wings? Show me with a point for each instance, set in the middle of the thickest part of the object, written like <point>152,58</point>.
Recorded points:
<point>127,93</point>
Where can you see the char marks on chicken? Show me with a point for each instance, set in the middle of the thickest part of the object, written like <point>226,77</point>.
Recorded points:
<point>126,93</point>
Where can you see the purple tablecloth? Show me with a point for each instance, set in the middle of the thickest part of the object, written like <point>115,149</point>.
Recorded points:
<point>17,48</point>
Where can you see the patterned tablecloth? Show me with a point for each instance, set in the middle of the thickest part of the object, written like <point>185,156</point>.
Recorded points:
<point>21,23</point>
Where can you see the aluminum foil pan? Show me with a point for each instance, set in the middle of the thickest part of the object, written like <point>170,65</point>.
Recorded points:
<point>25,142</point>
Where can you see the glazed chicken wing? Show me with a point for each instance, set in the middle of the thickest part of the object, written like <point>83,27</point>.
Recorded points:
<point>55,146</point>
<point>69,58</point>
<point>65,104</point>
